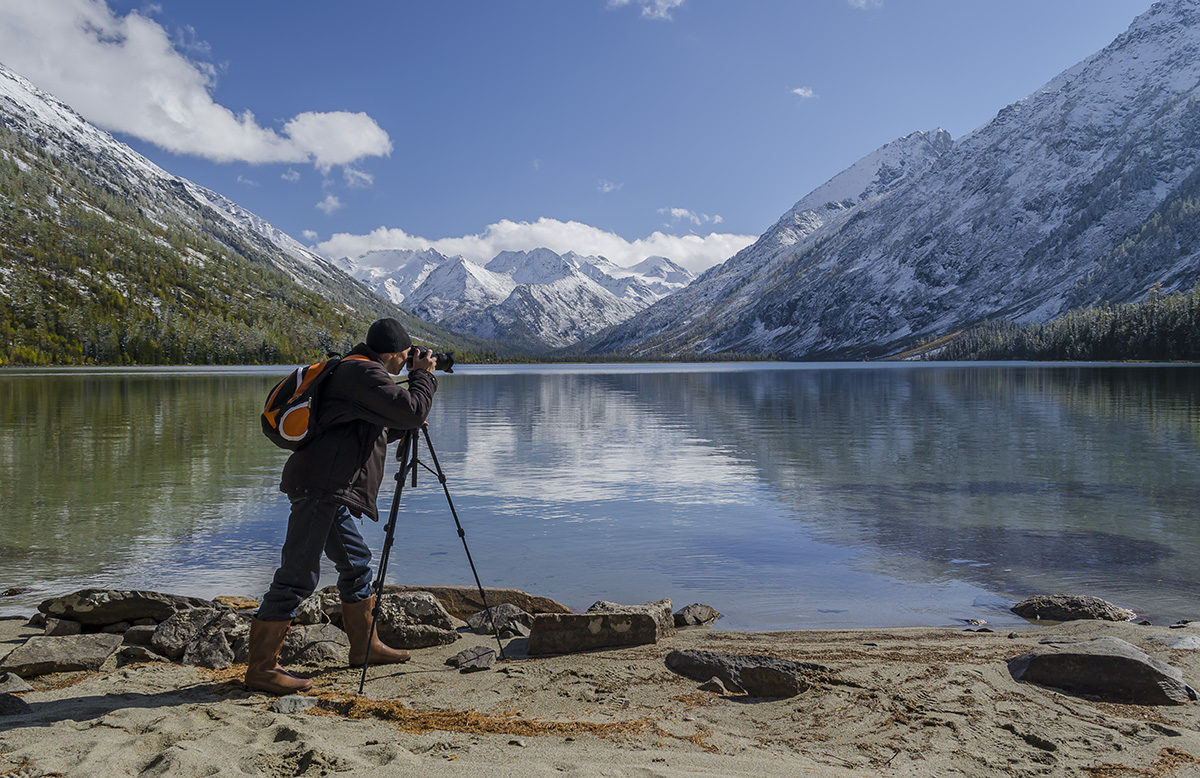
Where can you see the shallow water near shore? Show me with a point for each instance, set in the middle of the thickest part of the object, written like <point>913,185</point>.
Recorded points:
<point>787,496</point>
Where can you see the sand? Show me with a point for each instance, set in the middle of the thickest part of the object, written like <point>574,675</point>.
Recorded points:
<point>895,702</point>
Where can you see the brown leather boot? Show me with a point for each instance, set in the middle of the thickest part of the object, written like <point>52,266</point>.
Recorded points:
<point>262,668</point>
<point>356,620</point>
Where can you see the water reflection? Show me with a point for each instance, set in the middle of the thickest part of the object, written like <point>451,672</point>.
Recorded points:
<point>785,496</point>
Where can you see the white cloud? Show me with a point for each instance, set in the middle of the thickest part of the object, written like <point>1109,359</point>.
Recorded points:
<point>651,9</point>
<point>804,92</point>
<point>330,204</point>
<point>310,235</point>
<point>357,179</point>
<point>608,186</point>
<point>125,74</point>
<point>246,181</point>
<point>685,214</point>
<point>291,176</point>
<point>863,5</point>
<point>692,251</point>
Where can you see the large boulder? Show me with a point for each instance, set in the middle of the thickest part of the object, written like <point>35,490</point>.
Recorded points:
<point>1070,607</point>
<point>1108,668</point>
<point>205,637</point>
<point>42,655</point>
<point>315,644</point>
<point>99,607</point>
<point>696,615</point>
<point>413,619</point>
<point>568,633</point>
<point>758,676</point>
<point>659,610</point>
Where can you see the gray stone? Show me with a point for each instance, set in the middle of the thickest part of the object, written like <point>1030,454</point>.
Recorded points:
<point>10,683</point>
<point>505,615</point>
<point>695,615</point>
<point>136,655</point>
<point>210,648</point>
<point>315,644</point>
<point>140,635</point>
<point>37,620</point>
<point>412,620</point>
<point>116,629</point>
<point>323,607</point>
<point>293,703</point>
<point>566,633</point>
<point>177,633</point>
<point>41,655</point>
<point>107,606</point>
<point>1108,668</point>
<point>58,628</point>
<point>714,685</point>
<point>12,705</point>
<point>1070,607</point>
<point>659,610</point>
<point>473,659</point>
<point>758,676</point>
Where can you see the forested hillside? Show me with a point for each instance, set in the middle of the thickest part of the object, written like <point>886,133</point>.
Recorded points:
<point>96,272</point>
<point>1162,328</point>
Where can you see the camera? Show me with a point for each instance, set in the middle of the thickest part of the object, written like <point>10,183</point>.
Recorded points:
<point>445,360</point>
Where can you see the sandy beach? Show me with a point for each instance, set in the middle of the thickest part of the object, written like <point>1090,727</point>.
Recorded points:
<point>894,702</point>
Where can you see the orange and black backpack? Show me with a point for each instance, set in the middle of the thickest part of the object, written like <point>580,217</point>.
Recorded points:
<point>289,419</point>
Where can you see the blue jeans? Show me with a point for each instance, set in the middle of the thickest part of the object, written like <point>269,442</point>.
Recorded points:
<point>315,526</point>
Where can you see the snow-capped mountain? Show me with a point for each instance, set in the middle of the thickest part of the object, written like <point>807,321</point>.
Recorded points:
<point>538,299</point>
<point>169,228</point>
<point>1029,216</point>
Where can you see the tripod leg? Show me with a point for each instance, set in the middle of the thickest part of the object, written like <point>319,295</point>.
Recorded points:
<point>406,452</point>
<point>462,534</point>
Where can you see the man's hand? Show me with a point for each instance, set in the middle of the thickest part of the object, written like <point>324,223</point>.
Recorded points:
<point>423,359</point>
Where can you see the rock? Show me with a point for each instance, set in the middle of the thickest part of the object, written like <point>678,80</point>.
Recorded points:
<point>1070,607</point>
<point>236,602</point>
<point>62,627</point>
<point>116,629</point>
<point>463,601</point>
<point>660,611</point>
<point>293,703</point>
<point>566,633</point>
<point>473,659</point>
<point>414,620</point>
<point>714,685</point>
<point>315,644</point>
<point>695,615</point>
<point>136,655</point>
<point>10,683</point>
<point>37,620</point>
<point>140,635</point>
<point>14,591</point>
<point>506,616</point>
<point>41,655</point>
<point>179,631</point>
<point>210,648</point>
<point>758,676</point>
<point>12,705</point>
<point>108,606</point>
<point>323,607</point>
<point>1108,668</point>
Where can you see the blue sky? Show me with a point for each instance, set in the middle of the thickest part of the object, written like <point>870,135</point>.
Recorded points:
<point>616,127</point>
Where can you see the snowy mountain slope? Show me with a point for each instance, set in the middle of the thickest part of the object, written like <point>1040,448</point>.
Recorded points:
<point>539,299</point>
<point>181,260</point>
<point>1020,220</point>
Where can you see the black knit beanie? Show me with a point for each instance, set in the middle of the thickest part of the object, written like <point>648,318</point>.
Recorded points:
<point>387,336</point>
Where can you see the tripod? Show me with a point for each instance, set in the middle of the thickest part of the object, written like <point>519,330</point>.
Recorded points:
<point>407,453</point>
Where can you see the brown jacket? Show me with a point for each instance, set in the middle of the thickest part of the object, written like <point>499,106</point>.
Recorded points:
<point>359,405</point>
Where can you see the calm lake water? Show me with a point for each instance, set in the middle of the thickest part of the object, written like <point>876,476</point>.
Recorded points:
<point>786,496</point>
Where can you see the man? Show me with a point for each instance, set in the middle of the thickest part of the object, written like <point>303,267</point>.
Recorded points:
<point>332,480</point>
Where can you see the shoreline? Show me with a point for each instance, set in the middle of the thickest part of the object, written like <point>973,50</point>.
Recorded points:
<point>913,701</point>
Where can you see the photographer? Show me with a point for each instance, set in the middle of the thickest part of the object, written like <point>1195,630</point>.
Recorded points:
<point>332,480</point>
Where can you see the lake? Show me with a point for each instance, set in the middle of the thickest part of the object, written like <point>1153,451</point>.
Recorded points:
<point>787,496</point>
